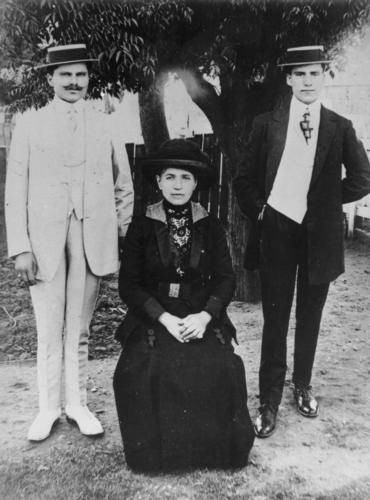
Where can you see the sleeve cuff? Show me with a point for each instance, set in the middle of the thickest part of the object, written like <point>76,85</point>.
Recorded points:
<point>14,252</point>
<point>213,306</point>
<point>153,308</point>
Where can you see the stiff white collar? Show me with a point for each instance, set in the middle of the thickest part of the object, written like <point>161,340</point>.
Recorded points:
<point>65,107</point>
<point>298,108</point>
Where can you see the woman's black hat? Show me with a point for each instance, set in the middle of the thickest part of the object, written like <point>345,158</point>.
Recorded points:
<point>180,153</point>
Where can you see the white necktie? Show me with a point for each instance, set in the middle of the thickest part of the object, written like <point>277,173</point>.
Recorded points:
<point>74,147</point>
<point>72,120</point>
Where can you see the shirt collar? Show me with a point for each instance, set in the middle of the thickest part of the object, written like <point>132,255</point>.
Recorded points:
<point>65,107</point>
<point>297,107</point>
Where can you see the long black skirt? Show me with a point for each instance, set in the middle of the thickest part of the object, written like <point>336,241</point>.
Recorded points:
<point>182,406</point>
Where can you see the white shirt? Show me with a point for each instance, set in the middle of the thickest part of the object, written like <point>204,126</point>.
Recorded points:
<point>73,139</point>
<point>71,123</point>
<point>289,191</point>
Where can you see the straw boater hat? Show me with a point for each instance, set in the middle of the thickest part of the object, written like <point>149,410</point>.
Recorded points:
<point>299,56</point>
<point>67,54</point>
<point>180,153</point>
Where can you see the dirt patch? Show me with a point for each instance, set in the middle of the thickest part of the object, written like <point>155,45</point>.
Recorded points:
<point>327,457</point>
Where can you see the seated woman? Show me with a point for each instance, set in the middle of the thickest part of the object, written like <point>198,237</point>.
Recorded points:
<point>180,390</point>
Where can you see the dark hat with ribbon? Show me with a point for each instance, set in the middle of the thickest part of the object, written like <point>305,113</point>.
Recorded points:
<point>67,54</point>
<point>310,54</point>
<point>183,154</point>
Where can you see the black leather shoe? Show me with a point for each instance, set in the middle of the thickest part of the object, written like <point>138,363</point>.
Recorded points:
<point>265,422</point>
<point>307,404</point>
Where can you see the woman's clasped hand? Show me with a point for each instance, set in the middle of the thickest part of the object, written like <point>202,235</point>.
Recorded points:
<point>185,329</point>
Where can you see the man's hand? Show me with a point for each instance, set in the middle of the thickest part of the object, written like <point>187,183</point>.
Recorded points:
<point>26,267</point>
<point>194,326</point>
<point>261,214</point>
<point>173,324</point>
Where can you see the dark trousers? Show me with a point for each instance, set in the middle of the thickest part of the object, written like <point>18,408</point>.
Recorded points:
<point>283,264</point>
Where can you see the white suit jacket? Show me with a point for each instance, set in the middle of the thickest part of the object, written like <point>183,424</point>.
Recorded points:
<point>36,195</point>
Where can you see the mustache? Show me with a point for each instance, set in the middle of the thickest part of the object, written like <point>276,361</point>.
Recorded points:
<point>73,87</point>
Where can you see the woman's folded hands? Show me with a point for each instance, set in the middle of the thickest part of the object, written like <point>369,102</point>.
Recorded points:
<point>185,329</point>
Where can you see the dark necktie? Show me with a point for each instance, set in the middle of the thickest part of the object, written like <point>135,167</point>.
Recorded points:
<point>305,125</point>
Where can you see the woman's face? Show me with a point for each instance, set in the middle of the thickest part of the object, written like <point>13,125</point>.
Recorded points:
<point>177,185</point>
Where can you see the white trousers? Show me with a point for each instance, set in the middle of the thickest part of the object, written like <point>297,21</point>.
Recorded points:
<point>63,309</point>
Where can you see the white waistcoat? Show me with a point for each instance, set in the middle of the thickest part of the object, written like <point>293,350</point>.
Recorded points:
<point>289,191</point>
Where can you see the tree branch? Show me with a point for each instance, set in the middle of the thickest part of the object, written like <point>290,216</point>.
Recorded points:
<point>204,95</point>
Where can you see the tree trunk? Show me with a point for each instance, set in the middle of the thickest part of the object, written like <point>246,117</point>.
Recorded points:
<point>152,115</point>
<point>247,282</point>
<point>155,132</point>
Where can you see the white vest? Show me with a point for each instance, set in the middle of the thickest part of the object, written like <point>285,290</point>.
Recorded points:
<point>71,122</point>
<point>289,191</point>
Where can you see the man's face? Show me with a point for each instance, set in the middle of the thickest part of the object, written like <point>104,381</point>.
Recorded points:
<point>307,82</point>
<point>70,81</point>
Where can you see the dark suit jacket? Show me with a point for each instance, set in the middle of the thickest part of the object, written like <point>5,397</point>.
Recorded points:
<point>148,265</point>
<point>337,145</point>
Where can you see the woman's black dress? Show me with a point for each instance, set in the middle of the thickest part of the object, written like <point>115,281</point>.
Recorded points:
<point>180,405</point>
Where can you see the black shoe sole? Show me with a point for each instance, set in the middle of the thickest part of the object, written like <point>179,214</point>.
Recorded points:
<point>307,415</point>
<point>263,436</point>
<point>74,423</point>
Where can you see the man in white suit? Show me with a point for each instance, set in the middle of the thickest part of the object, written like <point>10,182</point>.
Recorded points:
<point>68,202</point>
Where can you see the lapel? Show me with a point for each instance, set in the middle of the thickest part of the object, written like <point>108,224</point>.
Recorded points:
<point>91,136</point>
<point>326,133</point>
<point>276,142</point>
<point>277,138</point>
<point>158,214</point>
<point>198,214</point>
<point>48,134</point>
<point>47,131</point>
<point>163,241</point>
<point>196,245</point>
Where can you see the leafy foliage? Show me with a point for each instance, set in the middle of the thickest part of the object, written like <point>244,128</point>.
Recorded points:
<point>121,34</point>
<point>239,41</point>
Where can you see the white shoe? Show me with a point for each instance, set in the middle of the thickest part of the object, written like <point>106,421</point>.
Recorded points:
<point>42,425</point>
<point>85,420</point>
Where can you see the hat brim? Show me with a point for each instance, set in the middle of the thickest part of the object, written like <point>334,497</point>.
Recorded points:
<point>48,65</point>
<point>203,172</point>
<point>302,63</point>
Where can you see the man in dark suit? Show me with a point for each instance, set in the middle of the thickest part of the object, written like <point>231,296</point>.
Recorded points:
<point>290,185</point>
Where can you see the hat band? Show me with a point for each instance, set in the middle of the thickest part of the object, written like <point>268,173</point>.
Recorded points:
<point>175,162</point>
<point>60,56</point>
<point>304,57</point>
